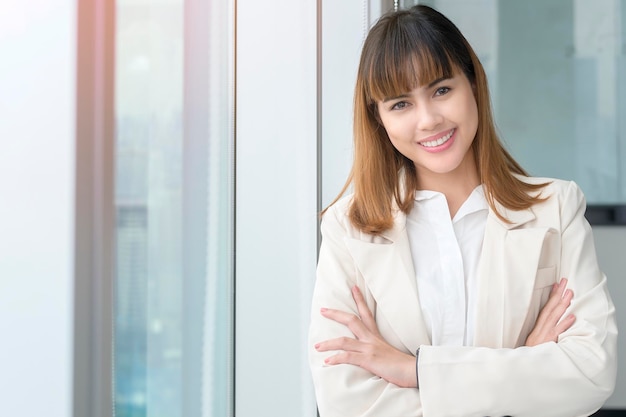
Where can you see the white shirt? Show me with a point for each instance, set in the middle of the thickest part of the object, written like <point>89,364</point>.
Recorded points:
<point>445,256</point>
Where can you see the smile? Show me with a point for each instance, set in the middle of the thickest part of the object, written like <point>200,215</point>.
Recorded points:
<point>438,142</point>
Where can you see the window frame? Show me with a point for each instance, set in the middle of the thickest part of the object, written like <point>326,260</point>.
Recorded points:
<point>95,213</point>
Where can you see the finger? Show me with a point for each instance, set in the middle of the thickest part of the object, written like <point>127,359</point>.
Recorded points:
<point>366,315</point>
<point>556,299</point>
<point>554,309</point>
<point>555,296</point>
<point>565,324</point>
<point>352,358</point>
<point>340,343</point>
<point>555,288</point>
<point>349,320</point>
<point>559,309</point>
<point>568,295</point>
<point>548,308</point>
<point>558,291</point>
<point>551,323</point>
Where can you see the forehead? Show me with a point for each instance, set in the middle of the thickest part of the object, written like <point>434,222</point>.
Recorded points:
<point>395,71</point>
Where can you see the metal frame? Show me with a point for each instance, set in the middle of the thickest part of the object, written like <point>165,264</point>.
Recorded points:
<point>606,215</point>
<point>95,212</point>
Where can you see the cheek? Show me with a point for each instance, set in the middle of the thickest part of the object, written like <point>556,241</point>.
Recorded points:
<point>383,123</point>
<point>395,143</point>
<point>471,116</point>
<point>397,131</point>
<point>394,136</point>
<point>397,140</point>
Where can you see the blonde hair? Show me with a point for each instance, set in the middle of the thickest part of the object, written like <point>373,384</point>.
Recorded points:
<point>403,50</point>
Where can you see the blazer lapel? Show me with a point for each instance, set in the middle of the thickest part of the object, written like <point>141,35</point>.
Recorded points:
<point>506,277</point>
<point>387,268</point>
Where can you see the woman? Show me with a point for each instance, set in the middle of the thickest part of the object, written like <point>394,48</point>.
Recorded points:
<point>438,289</point>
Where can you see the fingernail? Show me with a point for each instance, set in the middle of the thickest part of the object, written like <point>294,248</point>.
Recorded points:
<point>323,309</point>
<point>327,360</point>
<point>317,346</point>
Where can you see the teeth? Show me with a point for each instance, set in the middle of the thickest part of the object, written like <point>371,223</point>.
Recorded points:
<point>439,141</point>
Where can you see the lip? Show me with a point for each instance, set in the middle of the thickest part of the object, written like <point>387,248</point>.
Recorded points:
<point>441,147</point>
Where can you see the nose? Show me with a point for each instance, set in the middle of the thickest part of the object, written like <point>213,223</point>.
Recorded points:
<point>428,117</point>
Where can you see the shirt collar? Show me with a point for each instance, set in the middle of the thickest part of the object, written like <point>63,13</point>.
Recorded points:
<point>475,202</point>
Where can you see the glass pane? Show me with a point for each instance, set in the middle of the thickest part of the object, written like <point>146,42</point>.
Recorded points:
<point>561,120</point>
<point>173,320</point>
<point>148,320</point>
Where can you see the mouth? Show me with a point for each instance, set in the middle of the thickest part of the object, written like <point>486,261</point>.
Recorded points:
<point>439,141</point>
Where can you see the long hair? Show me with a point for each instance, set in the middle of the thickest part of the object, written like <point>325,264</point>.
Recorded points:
<point>404,50</point>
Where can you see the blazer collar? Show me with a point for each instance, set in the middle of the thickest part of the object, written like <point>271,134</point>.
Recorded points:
<point>388,256</point>
<point>516,218</point>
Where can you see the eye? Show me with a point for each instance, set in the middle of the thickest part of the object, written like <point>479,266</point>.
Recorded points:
<point>400,105</point>
<point>442,91</point>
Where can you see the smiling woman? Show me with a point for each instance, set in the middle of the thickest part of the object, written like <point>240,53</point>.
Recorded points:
<point>449,270</point>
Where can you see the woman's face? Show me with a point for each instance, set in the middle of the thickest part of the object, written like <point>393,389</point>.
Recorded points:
<point>434,126</point>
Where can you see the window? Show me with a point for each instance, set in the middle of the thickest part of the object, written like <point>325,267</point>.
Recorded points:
<point>174,209</point>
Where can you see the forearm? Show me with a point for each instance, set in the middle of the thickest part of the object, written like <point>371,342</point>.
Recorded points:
<point>346,390</point>
<point>527,381</point>
<point>570,378</point>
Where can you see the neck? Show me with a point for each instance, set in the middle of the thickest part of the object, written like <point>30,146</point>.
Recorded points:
<point>456,185</point>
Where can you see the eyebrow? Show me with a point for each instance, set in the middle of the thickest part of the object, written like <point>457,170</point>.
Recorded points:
<point>430,85</point>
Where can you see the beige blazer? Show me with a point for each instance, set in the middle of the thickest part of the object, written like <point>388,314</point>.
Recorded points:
<point>497,376</point>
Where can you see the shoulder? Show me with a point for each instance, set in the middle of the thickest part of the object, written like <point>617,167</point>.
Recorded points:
<point>337,222</point>
<point>562,197</point>
<point>553,188</point>
<point>336,217</point>
<point>553,184</point>
<point>339,210</point>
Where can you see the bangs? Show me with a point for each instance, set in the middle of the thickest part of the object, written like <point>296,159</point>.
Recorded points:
<point>407,56</point>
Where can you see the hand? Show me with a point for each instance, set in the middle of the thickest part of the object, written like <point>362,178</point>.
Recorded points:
<point>548,327</point>
<point>369,350</point>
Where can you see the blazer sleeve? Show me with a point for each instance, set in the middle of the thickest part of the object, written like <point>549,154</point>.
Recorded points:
<point>347,390</point>
<point>572,377</point>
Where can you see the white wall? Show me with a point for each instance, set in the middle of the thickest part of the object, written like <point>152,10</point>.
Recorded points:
<point>611,248</point>
<point>276,206</point>
<point>37,89</point>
